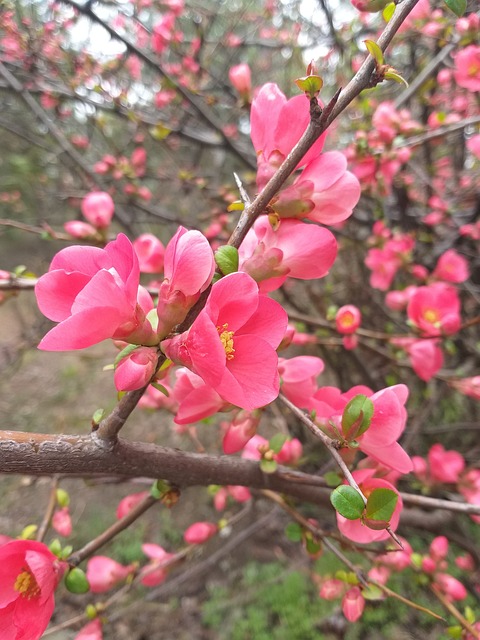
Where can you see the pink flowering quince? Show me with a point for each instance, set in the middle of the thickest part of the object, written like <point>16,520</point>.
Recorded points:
<point>91,631</point>
<point>435,309</point>
<point>276,126</point>
<point>103,573</point>
<point>94,294</point>
<point>231,345</point>
<point>29,576</point>
<point>294,249</point>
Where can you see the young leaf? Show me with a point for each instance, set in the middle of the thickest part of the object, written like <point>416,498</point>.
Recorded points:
<point>294,531</point>
<point>268,466</point>
<point>160,388</point>
<point>347,502</point>
<point>125,352</point>
<point>357,416</point>
<point>457,6</point>
<point>396,77</point>
<point>277,442</point>
<point>388,11</point>
<point>226,258</point>
<point>310,85</point>
<point>372,592</point>
<point>375,51</point>
<point>381,504</point>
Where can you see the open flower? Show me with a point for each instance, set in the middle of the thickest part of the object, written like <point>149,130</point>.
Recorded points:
<point>29,575</point>
<point>435,309</point>
<point>94,294</point>
<point>231,345</point>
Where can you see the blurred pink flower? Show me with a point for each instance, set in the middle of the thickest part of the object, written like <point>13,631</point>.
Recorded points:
<point>150,253</point>
<point>200,532</point>
<point>103,573</point>
<point>435,309</point>
<point>91,631</point>
<point>467,68</point>
<point>348,319</point>
<point>98,208</point>
<point>451,267</point>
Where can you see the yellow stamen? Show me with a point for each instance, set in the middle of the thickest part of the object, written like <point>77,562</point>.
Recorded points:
<point>431,315</point>
<point>26,585</point>
<point>226,338</point>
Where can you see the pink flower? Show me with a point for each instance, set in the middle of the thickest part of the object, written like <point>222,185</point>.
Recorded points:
<point>129,502</point>
<point>188,270</point>
<point>62,522</point>
<point>473,145</point>
<point>156,571</point>
<point>451,267</point>
<point>200,532</point>
<point>104,573</point>
<point>384,265</point>
<point>98,208</point>
<point>467,68</point>
<point>468,386</point>
<point>276,126</point>
<point>435,309</point>
<point>79,229</point>
<point>298,378</point>
<point>231,345</point>
<point>450,586</point>
<point>348,319</point>
<point>445,466</point>
<point>290,453</point>
<point>324,192</point>
<point>426,356</point>
<point>331,589</point>
<point>29,576</point>
<point>163,33</point>
<point>91,631</point>
<point>294,249</point>
<point>240,77</point>
<point>353,604</point>
<point>439,548</point>
<point>240,431</point>
<point>355,529</point>
<point>196,400</point>
<point>150,252</point>
<point>136,369</point>
<point>92,294</point>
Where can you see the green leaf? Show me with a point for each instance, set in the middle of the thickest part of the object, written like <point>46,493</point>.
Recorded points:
<point>357,416</point>
<point>159,489</point>
<point>294,531</point>
<point>159,132</point>
<point>56,547</point>
<point>376,525</point>
<point>238,205</point>
<point>457,6</point>
<point>347,502</point>
<point>226,258</point>
<point>375,51</point>
<point>277,442</point>
<point>268,466</point>
<point>455,632</point>
<point>372,592</point>
<point>310,85</point>
<point>63,498</point>
<point>160,388</point>
<point>76,581</point>
<point>124,353</point>
<point>29,532</point>
<point>396,77</point>
<point>332,478</point>
<point>98,416</point>
<point>381,504</point>
<point>312,546</point>
<point>388,11</point>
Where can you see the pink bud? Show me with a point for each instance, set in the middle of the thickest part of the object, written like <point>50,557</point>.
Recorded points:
<point>350,342</point>
<point>445,466</point>
<point>348,319</point>
<point>200,532</point>
<point>104,573</point>
<point>450,586</point>
<point>428,564</point>
<point>98,208</point>
<point>353,604</point>
<point>79,229</point>
<point>240,77</point>
<point>439,548</point>
<point>62,522</point>
<point>242,429</point>
<point>136,369</point>
<point>150,252</point>
<point>331,589</point>
<point>129,502</point>
<point>290,453</point>
<point>91,631</point>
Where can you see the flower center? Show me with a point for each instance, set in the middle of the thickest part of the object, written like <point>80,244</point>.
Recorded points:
<point>347,319</point>
<point>226,338</point>
<point>26,585</point>
<point>431,315</point>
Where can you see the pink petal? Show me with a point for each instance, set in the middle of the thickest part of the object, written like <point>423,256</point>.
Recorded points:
<point>56,292</point>
<point>87,260</point>
<point>82,330</point>
<point>233,300</point>
<point>269,322</point>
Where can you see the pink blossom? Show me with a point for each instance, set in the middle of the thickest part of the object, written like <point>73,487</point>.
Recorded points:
<point>98,208</point>
<point>450,586</point>
<point>188,270</point>
<point>426,356</point>
<point>396,558</point>
<point>468,386</point>
<point>156,571</point>
<point>136,369</point>
<point>435,309</point>
<point>129,502</point>
<point>298,378</point>
<point>467,68</point>
<point>294,249</point>
<point>290,453</point>
<point>29,576</point>
<point>62,522</point>
<point>397,300</point>
<point>91,631</point>
<point>150,252</point>
<point>104,573</point>
<point>195,399</point>
<point>240,77</point>
<point>200,532</point>
<point>240,430</point>
<point>355,529</point>
<point>92,294</point>
<point>252,449</point>
<point>231,345</point>
<point>276,126</point>
<point>331,589</point>
<point>451,267</point>
<point>439,548</point>
<point>324,192</point>
<point>348,319</point>
<point>384,265</point>
<point>163,33</point>
<point>79,229</point>
<point>445,466</point>
<point>353,604</point>
<point>473,145</point>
